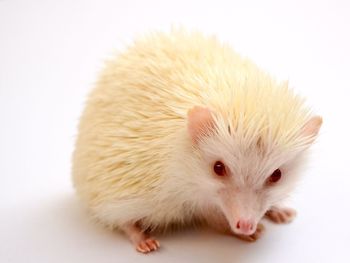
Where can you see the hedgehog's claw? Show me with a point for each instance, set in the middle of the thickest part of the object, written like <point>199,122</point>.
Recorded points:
<point>148,245</point>
<point>143,243</point>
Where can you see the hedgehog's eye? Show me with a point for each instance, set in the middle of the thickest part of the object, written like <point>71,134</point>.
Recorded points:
<point>219,168</point>
<point>275,176</point>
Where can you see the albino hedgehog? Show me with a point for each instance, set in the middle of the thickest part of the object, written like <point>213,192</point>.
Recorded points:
<point>182,129</point>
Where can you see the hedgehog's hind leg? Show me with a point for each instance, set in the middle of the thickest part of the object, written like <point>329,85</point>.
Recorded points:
<point>142,241</point>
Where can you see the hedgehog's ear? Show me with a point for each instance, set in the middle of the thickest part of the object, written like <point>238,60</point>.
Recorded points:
<point>199,122</point>
<point>312,127</point>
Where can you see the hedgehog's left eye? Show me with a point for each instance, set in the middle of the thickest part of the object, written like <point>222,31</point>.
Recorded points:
<point>275,176</point>
<point>219,168</point>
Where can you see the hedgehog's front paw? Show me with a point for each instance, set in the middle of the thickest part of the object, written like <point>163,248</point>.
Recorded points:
<point>281,215</point>
<point>147,245</point>
<point>260,229</point>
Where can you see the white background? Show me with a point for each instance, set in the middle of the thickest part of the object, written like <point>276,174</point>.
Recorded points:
<point>50,55</point>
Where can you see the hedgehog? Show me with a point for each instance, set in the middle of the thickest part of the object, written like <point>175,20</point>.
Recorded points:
<point>181,130</point>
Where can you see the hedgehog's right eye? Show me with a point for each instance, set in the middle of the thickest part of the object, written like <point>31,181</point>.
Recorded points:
<point>275,176</point>
<point>219,168</point>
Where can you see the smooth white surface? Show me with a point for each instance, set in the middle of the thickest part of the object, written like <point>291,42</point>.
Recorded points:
<point>50,54</point>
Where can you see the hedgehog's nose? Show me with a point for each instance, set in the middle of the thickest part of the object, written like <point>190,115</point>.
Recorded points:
<point>245,227</point>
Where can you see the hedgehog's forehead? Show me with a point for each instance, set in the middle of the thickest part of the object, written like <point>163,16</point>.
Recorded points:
<point>237,147</point>
<point>254,141</point>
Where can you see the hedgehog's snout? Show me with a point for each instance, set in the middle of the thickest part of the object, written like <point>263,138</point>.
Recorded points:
<point>245,226</point>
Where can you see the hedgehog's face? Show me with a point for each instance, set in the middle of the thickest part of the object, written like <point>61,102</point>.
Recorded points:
<point>244,182</point>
